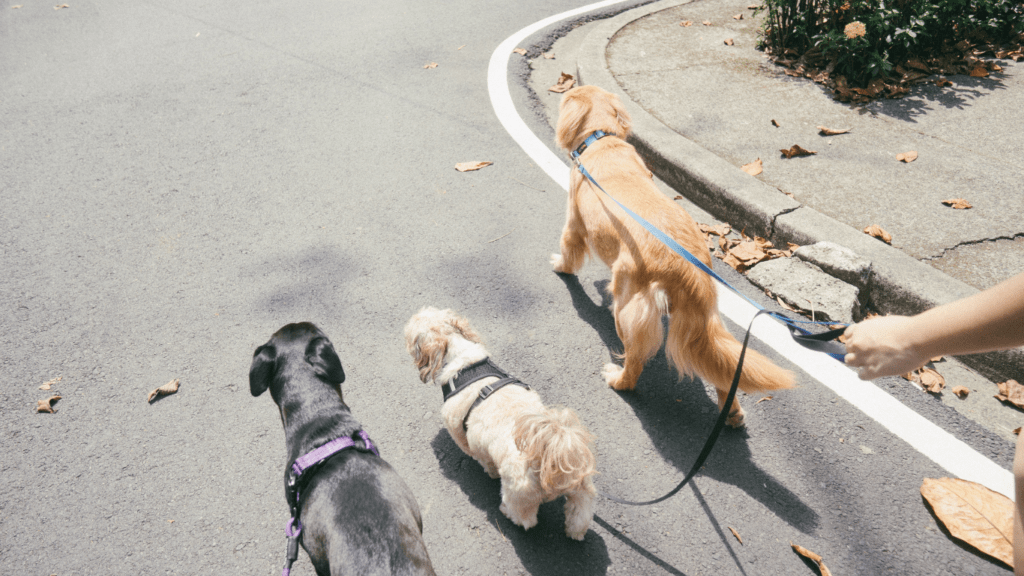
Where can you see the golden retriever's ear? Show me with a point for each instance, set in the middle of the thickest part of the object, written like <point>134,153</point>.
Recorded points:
<point>572,112</point>
<point>621,117</point>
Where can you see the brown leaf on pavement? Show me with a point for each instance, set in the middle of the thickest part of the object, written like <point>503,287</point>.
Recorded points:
<point>765,399</point>
<point>169,388</point>
<point>974,514</point>
<point>46,385</point>
<point>958,203</point>
<point>686,23</point>
<point>877,231</point>
<point>728,42</point>
<point>520,51</point>
<point>738,17</point>
<point>565,82</point>
<point>431,65</point>
<point>812,557</point>
<point>776,123</point>
<point>941,82</point>
<point>47,405</point>
<point>796,150</point>
<point>1012,392</point>
<point>549,55</point>
<point>59,6</point>
<point>931,380</point>
<point>736,534</point>
<point>979,71</point>
<point>824,131</point>
<point>754,168</point>
<point>470,166</point>
<point>907,157</point>
<point>720,229</point>
<point>706,22</point>
<point>961,391</point>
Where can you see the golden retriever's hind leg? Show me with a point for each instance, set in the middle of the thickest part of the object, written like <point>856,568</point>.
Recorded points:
<point>737,417</point>
<point>638,323</point>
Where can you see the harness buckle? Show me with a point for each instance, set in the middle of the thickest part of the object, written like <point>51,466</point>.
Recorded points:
<point>486,391</point>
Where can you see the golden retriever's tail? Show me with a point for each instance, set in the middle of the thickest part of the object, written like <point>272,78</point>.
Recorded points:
<point>558,447</point>
<point>712,353</point>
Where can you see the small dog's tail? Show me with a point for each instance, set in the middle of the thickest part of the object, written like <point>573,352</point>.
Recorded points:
<point>558,447</point>
<point>712,353</point>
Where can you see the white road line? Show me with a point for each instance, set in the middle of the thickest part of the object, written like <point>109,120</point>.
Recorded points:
<point>940,446</point>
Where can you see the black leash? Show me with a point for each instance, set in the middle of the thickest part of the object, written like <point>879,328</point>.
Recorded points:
<point>712,438</point>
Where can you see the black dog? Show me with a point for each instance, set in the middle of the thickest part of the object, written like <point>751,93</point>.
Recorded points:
<point>356,514</point>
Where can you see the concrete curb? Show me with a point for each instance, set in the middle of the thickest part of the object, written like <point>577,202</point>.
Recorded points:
<point>900,284</point>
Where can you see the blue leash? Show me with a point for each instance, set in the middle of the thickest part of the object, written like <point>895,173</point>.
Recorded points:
<point>821,342</point>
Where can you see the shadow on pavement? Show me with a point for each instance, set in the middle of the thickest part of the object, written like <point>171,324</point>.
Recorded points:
<point>678,415</point>
<point>544,550</point>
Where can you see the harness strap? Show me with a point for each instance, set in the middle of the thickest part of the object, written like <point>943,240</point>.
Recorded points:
<point>487,391</point>
<point>309,462</point>
<point>471,374</point>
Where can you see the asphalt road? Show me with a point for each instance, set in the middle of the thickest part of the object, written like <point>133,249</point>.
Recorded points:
<point>181,179</point>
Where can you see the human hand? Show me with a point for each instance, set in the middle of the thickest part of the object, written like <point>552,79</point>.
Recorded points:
<point>882,346</point>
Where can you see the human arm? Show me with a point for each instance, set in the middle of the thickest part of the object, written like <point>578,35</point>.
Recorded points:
<point>989,320</point>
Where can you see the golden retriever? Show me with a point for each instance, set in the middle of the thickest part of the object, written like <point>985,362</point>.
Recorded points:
<point>649,280</point>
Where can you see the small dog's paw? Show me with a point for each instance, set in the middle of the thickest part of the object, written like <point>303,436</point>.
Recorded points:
<point>737,419</point>
<point>612,374</point>
<point>526,523</point>
<point>492,472</point>
<point>576,535</point>
<point>558,264</point>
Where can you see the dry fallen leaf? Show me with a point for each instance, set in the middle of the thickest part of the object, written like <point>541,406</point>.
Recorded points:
<point>1011,391</point>
<point>431,65</point>
<point>470,166</point>
<point>1017,430</point>
<point>765,399</point>
<point>796,150</point>
<point>728,42</point>
<point>169,388</point>
<point>520,51</point>
<point>812,557</point>
<point>931,380</point>
<point>461,47</point>
<point>46,385</point>
<point>832,131</point>
<point>940,82</point>
<point>720,229</point>
<point>907,157</point>
<point>776,123</point>
<point>961,391</point>
<point>16,6</point>
<point>58,7</point>
<point>958,203</point>
<point>974,514</point>
<point>877,231</point>
<point>738,17</point>
<point>549,55</point>
<point>754,168</point>
<point>706,22</point>
<point>565,82</point>
<point>979,71</point>
<point>736,534</point>
<point>47,405</point>
<point>686,23</point>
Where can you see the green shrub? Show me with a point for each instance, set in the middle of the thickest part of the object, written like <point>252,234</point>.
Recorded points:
<point>884,34</point>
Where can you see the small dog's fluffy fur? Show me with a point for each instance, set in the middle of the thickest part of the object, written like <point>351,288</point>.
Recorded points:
<point>648,279</point>
<point>539,453</point>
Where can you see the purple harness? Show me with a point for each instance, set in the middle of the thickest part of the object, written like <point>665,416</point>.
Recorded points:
<point>359,440</point>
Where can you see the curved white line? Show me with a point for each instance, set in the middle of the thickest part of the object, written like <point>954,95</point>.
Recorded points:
<point>938,445</point>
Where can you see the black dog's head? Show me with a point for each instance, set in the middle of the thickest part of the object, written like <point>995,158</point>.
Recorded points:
<point>294,350</point>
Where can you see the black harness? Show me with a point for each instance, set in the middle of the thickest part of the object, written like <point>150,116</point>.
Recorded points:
<point>474,372</point>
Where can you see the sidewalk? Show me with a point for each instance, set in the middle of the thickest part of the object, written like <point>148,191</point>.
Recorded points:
<point>701,109</point>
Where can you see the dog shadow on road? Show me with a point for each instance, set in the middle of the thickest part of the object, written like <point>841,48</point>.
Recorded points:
<point>544,550</point>
<point>678,415</point>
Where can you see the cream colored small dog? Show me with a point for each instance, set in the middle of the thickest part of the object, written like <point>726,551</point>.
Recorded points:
<point>539,453</point>
<point>648,279</point>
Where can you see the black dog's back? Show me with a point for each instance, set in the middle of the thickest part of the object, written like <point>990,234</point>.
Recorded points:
<point>358,516</point>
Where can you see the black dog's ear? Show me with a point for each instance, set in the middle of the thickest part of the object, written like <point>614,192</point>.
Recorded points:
<point>264,360</point>
<point>325,362</point>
